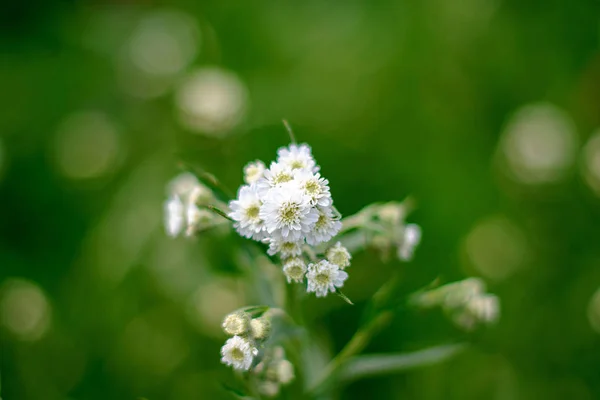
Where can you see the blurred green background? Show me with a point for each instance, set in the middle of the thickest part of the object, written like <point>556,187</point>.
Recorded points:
<point>486,111</point>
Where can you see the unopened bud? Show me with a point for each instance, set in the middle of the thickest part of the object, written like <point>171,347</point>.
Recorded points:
<point>260,328</point>
<point>339,255</point>
<point>236,323</point>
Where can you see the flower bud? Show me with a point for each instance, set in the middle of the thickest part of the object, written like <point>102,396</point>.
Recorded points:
<point>339,255</point>
<point>236,323</point>
<point>294,269</point>
<point>253,171</point>
<point>260,328</point>
<point>390,213</point>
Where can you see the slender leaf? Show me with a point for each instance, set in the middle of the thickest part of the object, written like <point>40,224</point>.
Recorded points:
<point>380,364</point>
<point>344,297</point>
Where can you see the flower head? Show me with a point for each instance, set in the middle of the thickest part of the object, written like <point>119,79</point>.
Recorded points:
<point>246,212</point>
<point>294,269</point>
<point>339,255</point>
<point>239,353</point>
<point>325,227</point>
<point>315,187</point>
<point>253,171</point>
<point>287,214</point>
<point>284,248</point>
<point>297,157</point>
<point>324,277</point>
<point>275,176</point>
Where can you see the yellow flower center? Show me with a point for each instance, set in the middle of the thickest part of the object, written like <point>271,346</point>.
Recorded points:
<point>252,212</point>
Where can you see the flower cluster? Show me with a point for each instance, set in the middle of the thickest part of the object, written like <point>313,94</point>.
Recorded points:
<point>181,211</point>
<point>289,207</point>
<point>274,371</point>
<point>247,334</point>
<point>466,301</point>
<point>287,204</point>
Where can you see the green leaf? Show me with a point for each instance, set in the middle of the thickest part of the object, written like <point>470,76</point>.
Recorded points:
<point>237,393</point>
<point>218,211</point>
<point>380,364</point>
<point>255,311</point>
<point>344,297</point>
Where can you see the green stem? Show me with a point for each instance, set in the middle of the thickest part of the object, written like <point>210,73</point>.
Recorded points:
<point>357,344</point>
<point>218,211</point>
<point>289,130</point>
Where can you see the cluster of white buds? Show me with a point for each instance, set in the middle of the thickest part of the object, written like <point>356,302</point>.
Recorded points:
<point>405,237</point>
<point>289,207</point>
<point>273,372</point>
<point>466,301</point>
<point>383,226</point>
<point>247,335</point>
<point>181,212</point>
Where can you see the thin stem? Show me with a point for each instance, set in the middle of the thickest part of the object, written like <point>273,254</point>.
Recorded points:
<point>289,130</point>
<point>293,305</point>
<point>251,386</point>
<point>357,344</point>
<point>218,211</point>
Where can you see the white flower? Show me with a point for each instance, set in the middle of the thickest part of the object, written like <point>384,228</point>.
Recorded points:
<point>339,255</point>
<point>246,212</point>
<point>174,211</point>
<point>236,323</point>
<point>297,157</point>
<point>284,248</point>
<point>287,214</point>
<point>275,176</point>
<point>324,277</point>
<point>324,228</point>
<point>238,352</point>
<point>294,269</point>
<point>411,239</point>
<point>253,171</point>
<point>315,187</point>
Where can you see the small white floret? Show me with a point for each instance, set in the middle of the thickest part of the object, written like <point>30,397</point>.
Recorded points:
<point>339,255</point>
<point>253,171</point>
<point>294,269</point>
<point>297,157</point>
<point>324,228</point>
<point>275,176</point>
<point>245,211</point>
<point>239,353</point>
<point>315,187</point>
<point>287,213</point>
<point>284,248</point>
<point>324,277</point>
